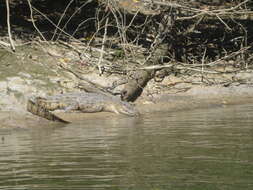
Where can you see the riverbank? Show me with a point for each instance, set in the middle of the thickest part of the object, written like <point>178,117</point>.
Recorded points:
<point>38,70</point>
<point>196,98</point>
<point>199,97</point>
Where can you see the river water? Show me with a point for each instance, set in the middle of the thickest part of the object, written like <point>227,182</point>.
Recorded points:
<point>205,149</point>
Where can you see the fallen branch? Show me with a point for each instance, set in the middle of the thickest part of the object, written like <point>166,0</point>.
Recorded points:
<point>4,44</point>
<point>34,25</point>
<point>103,47</point>
<point>59,22</point>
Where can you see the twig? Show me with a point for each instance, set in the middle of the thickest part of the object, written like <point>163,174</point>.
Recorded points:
<point>202,66</point>
<point>182,67</point>
<point>93,86</point>
<point>4,44</point>
<point>103,46</point>
<point>218,13</point>
<point>228,56</point>
<point>76,11</point>
<point>120,25</point>
<point>9,26</point>
<point>225,24</point>
<point>50,21</point>
<point>77,28</point>
<point>31,15</point>
<point>59,22</point>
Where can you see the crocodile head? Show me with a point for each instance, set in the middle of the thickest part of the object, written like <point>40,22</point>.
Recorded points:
<point>123,108</point>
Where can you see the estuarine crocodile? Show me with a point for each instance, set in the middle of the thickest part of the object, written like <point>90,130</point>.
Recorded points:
<point>78,102</point>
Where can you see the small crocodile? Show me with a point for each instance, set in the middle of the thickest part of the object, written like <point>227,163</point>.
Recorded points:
<point>78,102</point>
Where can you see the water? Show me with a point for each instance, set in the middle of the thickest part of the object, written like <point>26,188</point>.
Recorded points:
<point>206,149</point>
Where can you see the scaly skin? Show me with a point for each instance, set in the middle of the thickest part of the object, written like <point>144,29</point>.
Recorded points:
<point>33,107</point>
<point>78,101</point>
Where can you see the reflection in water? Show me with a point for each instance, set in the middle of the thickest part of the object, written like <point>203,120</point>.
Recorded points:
<point>200,149</point>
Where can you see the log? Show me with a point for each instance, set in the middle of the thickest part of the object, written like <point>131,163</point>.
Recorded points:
<point>138,80</point>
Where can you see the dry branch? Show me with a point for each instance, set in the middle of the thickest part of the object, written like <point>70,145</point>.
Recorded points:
<point>103,47</point>
<point>4,44</point>
<point>33,22</point>
<point>9,26</point>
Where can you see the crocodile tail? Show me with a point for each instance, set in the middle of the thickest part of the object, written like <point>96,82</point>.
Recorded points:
<point>42,112</point>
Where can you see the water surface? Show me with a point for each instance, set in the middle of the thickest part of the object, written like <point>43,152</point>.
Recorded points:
<point>205,149</point>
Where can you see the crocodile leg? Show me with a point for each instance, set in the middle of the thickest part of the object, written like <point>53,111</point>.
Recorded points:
<point>90,108</point>
<point>72,107</point>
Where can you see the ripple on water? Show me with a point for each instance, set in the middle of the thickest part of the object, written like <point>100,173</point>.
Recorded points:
<point>200,149</point>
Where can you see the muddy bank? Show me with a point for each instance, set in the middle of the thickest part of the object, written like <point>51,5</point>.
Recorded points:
<point>198,97</point>
<point>39,70</point>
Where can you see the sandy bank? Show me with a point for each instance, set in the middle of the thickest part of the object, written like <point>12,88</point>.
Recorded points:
<point>198,97</point>
<point>23,76</point>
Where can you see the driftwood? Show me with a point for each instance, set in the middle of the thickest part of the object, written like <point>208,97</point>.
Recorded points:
<point>139,79</point>
<point>158,51</point>
<point>134,87</point>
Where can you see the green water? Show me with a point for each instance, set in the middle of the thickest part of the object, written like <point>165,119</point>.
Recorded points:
<point>208,149</point>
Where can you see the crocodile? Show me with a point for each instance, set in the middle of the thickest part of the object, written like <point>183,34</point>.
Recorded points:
<point>84,102</point>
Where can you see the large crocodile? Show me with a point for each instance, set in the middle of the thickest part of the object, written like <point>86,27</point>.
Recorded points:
<point>78,102</point>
